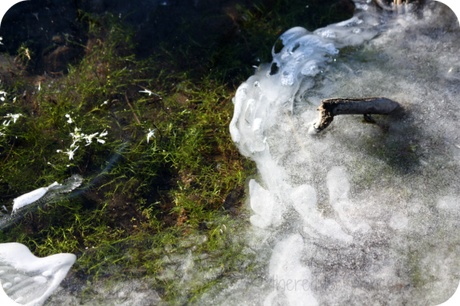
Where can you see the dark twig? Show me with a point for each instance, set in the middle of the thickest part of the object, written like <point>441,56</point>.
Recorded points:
<point>357,106</point>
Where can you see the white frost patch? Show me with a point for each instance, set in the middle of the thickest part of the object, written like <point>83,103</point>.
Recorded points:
<point>264,205</point>
<point>399,222</point>
<point>450,204</point>
<point>290,277</point>
<point>305,203</point>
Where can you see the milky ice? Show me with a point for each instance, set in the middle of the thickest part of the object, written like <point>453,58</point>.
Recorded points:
<point>29,280</point>
<point>361,214</point>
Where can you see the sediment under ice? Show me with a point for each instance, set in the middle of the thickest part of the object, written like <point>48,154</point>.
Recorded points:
<point>364,214</point>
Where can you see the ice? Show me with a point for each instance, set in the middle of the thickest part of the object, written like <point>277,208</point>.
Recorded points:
<point>305,203</point>
<point>262,203</point>
<point>449,204</point>
<point>399,222</point>
<point>291,279</point>
<point>46,193</point>
<point>32,196</point>
<point>29,280</point>
<point>338,185</point>
<point>134,292</point>
<point>370,210</point>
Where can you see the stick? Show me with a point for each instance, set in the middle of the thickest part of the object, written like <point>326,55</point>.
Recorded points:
<point>132,109</point>
<point>356,106</point>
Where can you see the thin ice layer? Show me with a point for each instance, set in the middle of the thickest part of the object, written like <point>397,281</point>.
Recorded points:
<point>32,196</point>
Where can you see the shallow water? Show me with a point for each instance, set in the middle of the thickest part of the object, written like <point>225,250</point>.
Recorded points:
<point>358,214</point>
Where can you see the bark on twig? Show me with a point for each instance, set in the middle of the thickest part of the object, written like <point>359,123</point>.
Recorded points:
<point>357,106</point>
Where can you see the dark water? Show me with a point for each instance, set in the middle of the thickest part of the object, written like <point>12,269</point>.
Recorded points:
<point>45,25</point>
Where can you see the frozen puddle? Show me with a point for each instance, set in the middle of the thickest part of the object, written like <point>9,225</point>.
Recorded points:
<point>359,214</point>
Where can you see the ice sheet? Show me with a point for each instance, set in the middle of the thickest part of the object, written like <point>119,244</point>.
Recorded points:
<point>368,213</point>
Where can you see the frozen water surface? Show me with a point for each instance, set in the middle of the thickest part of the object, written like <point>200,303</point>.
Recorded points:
<point>359,214</point>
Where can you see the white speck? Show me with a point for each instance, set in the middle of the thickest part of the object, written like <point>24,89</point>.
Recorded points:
<point>12,116</point>
<point>150,134</point>
<point>70,119</point>
<point>70,152</point>
<point>89,138</point>
<point>149,92</point>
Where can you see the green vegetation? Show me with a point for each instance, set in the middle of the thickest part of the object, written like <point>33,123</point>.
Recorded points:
<point>157,166</point>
